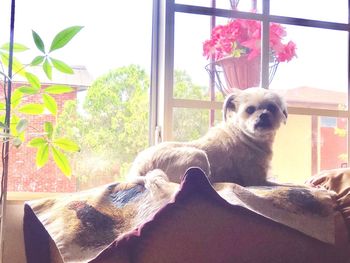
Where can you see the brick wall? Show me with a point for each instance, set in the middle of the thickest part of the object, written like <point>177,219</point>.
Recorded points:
<point>23,173</point>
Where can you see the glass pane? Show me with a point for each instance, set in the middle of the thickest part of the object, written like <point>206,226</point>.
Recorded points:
<point>234,47</point>
<point>106,113</point>
<point>190,77</point>
<point>318,76</point>
<point>190,124</point>
<point>307,145</point>
<point>240,5</point>
<point>324,10</point>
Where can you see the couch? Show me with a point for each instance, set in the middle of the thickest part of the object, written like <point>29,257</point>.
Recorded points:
<point>192,222</point>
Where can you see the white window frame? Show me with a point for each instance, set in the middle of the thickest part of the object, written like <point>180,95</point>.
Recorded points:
<point>162,101</point>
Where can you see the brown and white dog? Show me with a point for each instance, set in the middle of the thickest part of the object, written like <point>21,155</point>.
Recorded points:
<point>238,150</point>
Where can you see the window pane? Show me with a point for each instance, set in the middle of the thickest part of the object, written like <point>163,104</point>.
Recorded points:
<point>241,5</point>
<point>323,10</point>
<point>307,145</point>
<point>189,62</point>
<point>107,111</point>
<point>190,124</point>
<point>193,60</point>
<point>318,77</point>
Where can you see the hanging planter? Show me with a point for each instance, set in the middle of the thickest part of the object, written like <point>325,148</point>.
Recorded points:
<point>238,73</point>
<point>235,49</point>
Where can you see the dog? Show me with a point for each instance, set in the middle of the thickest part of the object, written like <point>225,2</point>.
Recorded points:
<point>238,150</point>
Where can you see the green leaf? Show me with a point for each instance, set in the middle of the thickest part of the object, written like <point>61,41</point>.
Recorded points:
<point>58,89</point>
<point>33,80</point>
<point>13,123</point>
<point>17,142</point>
<point>16,98</point>
<point>47,69</point>
<point>37,142</point>
<point>38,41</point>
<point>48,128</point>
<point>62,162</point>
<point>17,67</point>
<point>37,60</point>
<point>50,103</point>
<point>63,37</point>
<point>2,106</point>
<point>66,144</point>
<point>2,125</point>
<point>28,90</point>
<point>32,108</point>
<point>61,66</point>
<point>16,47</point>
<point>42,155</point>
<point>22,125</point>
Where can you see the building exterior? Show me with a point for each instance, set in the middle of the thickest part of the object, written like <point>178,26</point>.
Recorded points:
<point>23,174</point>
<point>309,144</point>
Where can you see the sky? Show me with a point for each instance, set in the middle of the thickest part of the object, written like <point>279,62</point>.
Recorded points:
<point>118,33</point>
<point>115,33</point>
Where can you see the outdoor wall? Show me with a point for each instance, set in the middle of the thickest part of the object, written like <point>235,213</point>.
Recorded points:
<point>332,146</point>
<point>23,173</point>
<point>292,150</point>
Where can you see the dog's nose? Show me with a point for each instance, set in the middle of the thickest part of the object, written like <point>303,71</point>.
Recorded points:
<point>264,121</point>
<point>264,116</point>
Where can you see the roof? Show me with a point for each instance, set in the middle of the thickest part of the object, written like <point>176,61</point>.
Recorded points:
<point>81,79</point>
<point>314,96</point>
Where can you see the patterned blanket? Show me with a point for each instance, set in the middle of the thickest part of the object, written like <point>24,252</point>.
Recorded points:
<point>83,225</point>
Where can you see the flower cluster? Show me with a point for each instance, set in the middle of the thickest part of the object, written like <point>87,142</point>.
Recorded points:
<point>243,37</point>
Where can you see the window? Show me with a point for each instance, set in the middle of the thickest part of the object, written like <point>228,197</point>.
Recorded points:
<point>315,84</point>
<point>129,93</point>
<point>107,112</point>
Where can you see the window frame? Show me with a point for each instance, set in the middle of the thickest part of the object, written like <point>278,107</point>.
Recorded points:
<point>162,68</point>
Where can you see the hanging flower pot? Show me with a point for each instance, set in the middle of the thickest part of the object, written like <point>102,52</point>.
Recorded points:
<point>235,49</point>
<point>240,73</point>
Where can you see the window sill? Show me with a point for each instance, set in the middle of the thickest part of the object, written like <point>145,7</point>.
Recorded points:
<point>27,196</point>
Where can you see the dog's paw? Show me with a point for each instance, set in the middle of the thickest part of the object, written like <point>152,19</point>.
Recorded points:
<point>153,178</point>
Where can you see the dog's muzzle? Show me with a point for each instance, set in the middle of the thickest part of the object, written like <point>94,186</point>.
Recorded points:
<point>264,121</point>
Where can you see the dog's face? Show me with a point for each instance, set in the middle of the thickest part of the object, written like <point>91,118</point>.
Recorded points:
<point>257,112</point>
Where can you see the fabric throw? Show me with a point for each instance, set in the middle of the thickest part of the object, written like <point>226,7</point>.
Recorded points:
<point>84,225</point>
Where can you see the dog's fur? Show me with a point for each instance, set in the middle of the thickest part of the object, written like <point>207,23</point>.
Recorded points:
<point>238,150</point>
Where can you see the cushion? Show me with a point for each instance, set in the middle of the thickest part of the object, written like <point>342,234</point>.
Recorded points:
<point>159,221</point>
<point>337,180</point>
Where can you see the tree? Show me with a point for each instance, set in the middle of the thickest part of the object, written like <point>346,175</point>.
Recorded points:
<point>114,125</point>
<point>189,124</point>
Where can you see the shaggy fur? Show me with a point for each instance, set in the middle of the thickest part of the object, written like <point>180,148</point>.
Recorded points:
<point>238,150</point>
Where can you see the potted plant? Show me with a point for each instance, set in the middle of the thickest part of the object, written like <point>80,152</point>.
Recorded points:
<point>236,48</point>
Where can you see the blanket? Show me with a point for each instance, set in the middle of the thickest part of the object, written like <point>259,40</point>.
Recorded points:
<point>85,225</point>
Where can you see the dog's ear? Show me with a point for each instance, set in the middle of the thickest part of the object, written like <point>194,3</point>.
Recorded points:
<point>283,108</point>
<point>285,113</point>
<point>230,104</point>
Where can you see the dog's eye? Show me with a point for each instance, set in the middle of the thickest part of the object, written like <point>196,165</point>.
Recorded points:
<point>271,108</point>
<point>250,109</point>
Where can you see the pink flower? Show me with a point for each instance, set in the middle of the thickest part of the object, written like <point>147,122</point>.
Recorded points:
<point>243,37</point>
<point>254,46</point>
<point>287,53</point>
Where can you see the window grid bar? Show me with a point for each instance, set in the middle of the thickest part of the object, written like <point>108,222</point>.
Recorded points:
<point>265,46</point>
<point>201,10</point>
<point>169,69</point>
<point>153,94</point>
<point>209,105</point>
